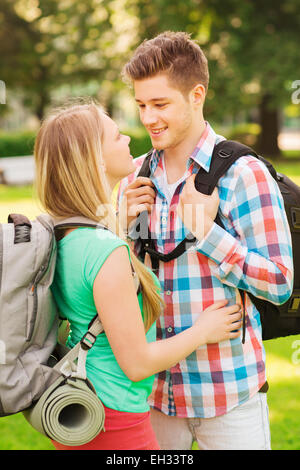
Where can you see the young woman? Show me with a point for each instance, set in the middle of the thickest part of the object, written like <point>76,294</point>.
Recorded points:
<point>80,156</point>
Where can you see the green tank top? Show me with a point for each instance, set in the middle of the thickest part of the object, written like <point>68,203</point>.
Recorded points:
<point>80,257</point>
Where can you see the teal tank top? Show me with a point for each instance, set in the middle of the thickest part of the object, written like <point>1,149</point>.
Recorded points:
<point>80,256</point>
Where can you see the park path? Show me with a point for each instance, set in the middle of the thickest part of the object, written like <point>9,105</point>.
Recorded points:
<point>17,170</point>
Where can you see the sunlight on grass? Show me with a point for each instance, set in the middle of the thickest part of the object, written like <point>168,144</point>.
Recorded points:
<point>296,179</point>
<point>281,369</point>
<point>27,207</point>
<point>21,200</point>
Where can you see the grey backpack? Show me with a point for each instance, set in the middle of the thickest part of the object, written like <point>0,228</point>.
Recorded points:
<point>28,315</point>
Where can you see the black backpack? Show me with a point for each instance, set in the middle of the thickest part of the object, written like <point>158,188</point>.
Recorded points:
<point>277,320</point>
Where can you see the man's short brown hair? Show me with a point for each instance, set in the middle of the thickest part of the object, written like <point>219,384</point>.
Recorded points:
<point>173,53</point>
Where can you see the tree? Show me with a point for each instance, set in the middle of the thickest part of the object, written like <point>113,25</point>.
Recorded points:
<point>52,43</point>
<point>259,58</point>
<point>253,51</point>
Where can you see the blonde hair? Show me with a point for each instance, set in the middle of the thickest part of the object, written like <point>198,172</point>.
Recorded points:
<point>70,180</point>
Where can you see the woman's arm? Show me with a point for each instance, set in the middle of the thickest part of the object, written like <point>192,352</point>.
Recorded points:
<point>118,308</point>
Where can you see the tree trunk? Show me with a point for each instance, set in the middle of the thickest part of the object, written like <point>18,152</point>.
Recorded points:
<point>269,121</point>
<point>43,95</point>
<point>43,101</point>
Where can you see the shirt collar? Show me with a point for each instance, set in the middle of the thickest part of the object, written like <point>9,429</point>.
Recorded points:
<point>201,154</point>
<point>203,151</point>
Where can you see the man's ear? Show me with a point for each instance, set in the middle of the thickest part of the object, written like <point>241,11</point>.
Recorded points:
<point>198,94</point>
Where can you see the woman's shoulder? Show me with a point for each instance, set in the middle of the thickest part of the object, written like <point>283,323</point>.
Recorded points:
<point>91,245</point>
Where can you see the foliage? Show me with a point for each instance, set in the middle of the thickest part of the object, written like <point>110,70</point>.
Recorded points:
<point>252,49</point>
<point>14,144</point>
<point>58,47</point>
<point>245,133</point>
<point>252,46</point>
<point>140,141</point>
<point>58,42</point>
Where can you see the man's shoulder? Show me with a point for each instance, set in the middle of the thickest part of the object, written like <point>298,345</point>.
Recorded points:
<point>247,167</point>
<point>244,164</point>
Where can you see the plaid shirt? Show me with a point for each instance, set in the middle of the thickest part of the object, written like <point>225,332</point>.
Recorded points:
<point>253,253</point>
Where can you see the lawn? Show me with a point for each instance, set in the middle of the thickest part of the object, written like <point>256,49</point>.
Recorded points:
<point>283,358</point>
<point>283,371</point>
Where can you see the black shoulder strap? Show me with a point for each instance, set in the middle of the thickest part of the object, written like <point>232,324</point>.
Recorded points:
<point>224,155</point>
<point>145,168</point>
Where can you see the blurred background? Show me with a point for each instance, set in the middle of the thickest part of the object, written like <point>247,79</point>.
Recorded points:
<point>54,50</point>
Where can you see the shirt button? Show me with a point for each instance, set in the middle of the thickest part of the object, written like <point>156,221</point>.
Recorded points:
<point>164,220</point>
<point>169,329</point>
<point>168,292</point>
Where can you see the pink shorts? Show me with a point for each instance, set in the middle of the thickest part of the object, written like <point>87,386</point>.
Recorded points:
<point>123,431</point>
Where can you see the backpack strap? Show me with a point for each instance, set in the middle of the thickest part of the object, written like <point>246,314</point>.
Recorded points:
<point>80,221</point>
<point>67,365</point>
<point>77,221</point>
<point>22,227</point>
<point>145,168</point>
<point>224,155</point>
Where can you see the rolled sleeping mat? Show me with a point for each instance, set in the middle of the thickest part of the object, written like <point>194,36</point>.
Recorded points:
<point>69,412</point>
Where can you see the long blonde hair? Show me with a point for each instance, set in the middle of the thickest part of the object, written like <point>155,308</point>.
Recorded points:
<point>70,180</point>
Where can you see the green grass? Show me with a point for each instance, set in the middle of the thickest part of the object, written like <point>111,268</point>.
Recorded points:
<point>17,434</point>
<point>283,374</point>
<point>15,193</point>
<point>291,154</point>
<point>283,370</point>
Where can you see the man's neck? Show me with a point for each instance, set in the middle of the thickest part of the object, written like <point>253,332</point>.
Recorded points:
<point>176,157</point>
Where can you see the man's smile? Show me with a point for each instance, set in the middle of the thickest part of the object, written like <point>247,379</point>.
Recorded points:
<point>158,131</point>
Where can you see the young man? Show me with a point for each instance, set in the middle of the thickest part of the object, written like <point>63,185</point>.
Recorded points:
<point>214,396</point>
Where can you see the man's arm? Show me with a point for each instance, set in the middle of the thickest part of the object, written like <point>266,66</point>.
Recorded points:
<point>258,258</point>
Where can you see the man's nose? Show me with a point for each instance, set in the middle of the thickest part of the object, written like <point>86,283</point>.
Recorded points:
<point>148,117</point>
